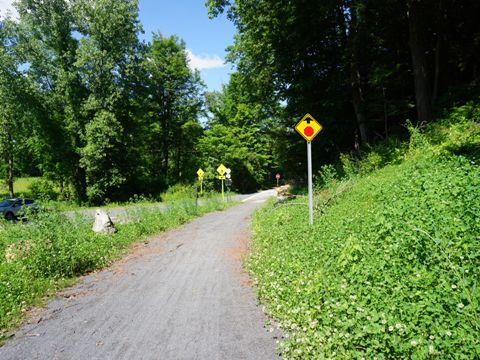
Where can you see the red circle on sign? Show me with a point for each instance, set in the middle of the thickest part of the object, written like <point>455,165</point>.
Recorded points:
<point>308,131</point>
<point>277,176</point>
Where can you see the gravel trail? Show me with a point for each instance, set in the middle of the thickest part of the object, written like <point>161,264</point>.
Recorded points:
<point>180,295</point>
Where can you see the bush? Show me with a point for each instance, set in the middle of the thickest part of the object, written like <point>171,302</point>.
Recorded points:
<point>326,176</point>
<point>179,192</point>
<point>43,189</point>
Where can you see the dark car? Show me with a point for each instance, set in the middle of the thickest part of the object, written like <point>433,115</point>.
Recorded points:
<point>12,208</point>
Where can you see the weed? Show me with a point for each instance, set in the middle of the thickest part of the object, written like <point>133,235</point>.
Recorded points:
<point>390,268</point>
<point>41,256</point>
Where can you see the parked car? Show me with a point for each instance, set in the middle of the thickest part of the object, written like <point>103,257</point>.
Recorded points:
<point>12,208</point>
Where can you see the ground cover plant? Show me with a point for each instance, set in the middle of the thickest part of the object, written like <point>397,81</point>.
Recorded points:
<point>47,253</point>
<point>390,268</point>
<point>22,187</point>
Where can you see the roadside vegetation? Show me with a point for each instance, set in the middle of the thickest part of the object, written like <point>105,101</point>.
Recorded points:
<point>52,249</point>
<point>100,116</point>
<point>390,268</point>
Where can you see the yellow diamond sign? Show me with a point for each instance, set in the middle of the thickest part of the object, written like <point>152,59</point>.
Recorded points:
<point>200,173</point>
<point>308,127</point>
<point>222,169</point>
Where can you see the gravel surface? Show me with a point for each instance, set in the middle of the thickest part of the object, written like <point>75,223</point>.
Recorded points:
<point>180,295</point>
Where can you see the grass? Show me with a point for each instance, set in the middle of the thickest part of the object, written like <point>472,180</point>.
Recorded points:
<point>42,256</point>
<point>37,188</point>
<point>390,268</point>
<point>21,187</point>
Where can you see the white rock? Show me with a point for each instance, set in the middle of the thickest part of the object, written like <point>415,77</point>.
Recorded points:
<point>103,224</point>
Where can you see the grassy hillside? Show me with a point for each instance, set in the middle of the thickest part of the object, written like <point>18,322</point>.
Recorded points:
<point>390,268</point>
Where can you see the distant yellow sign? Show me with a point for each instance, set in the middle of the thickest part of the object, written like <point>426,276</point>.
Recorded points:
<point>200,173</point>
<point>308,127</point>
<point>222,169</point>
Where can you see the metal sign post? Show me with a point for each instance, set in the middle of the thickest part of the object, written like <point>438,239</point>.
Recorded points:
<point>308,128</point>
<point>310,185</point>
<point>223,192</point>
<point>222,170</point>
<point>228,182</point>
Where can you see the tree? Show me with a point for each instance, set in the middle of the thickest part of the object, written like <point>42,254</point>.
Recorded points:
<point>14,91</point>
<point>97,98</point>
<point>174,104</point>
<point>416,17</point>
<point>48,50</point>
<point>238,135</point>
<point>360,67</point>
<point>107,52</point>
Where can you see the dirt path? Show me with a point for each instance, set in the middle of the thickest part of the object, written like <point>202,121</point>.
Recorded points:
<point>182,295</point>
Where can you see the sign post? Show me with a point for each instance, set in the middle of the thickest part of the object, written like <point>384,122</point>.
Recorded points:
<point>200,174</point>
<point>308,128</point>
<point>228,181</point>
<point>277,176</point>
<point>222,170</point>
<point>310,185</point>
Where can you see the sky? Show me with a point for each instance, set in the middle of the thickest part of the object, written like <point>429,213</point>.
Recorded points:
<point>206,40</point>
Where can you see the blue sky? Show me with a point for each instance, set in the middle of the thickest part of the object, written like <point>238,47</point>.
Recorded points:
<point>205,39</point>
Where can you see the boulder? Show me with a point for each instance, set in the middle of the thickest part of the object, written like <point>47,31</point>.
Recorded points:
<point>103,224</point>
<point>283,190</point>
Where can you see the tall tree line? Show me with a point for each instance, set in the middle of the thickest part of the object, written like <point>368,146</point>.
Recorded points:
<point>99,111</point>
<point>87,104</point>
<point>362,67</point>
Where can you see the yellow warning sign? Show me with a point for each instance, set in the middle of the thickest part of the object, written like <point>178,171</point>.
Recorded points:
<point>200,173</point>
<point>222,169</point>
<point>308,127</point>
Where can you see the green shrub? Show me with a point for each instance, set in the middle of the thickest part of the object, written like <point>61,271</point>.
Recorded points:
<point>43,189</point>
<point>371,162</point>
<point>349,167</point>
<point>179,192</point>
<point>327,176</point>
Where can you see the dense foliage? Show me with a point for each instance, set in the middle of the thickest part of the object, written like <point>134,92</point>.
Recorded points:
<point>390,268</point>
<point>360,67</point>
<point>106,116</point>
<point>239,135</point>
<point>90,106</point>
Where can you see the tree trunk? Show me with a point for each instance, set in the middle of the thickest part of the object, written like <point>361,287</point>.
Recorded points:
<point>419,63</point>
<point>438,48</point>
<point>10,175</point>
<point>80,184</point>
<point>385,113</point>
<point>358,103</point>
<point>178,165</point>
<point>355,78</point>
<point>165,146</point>
<point>437,68</point>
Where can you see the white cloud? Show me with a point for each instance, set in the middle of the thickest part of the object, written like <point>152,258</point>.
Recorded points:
<point>6,7</point>
<point>202,62</point>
